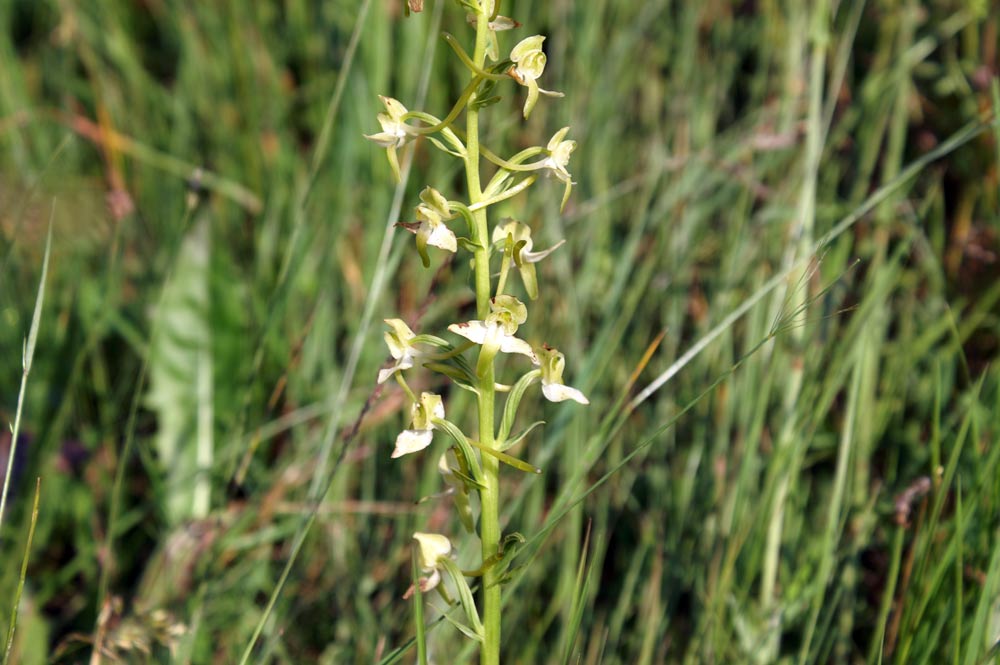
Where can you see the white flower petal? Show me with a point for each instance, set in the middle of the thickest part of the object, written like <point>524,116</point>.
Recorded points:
<point>406,362</point>
<point>502,23</point>
<point>557,392</point>
<point>411,441</point>
<point>428,583</point>
<point>474,331</point>
<point>439,235</point>
<point>385,139</point>
<point>535,257</point>
<point>511,344</point>
<point>385,374</point>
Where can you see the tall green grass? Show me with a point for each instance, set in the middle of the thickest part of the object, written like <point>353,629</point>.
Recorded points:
<point>202,406</point>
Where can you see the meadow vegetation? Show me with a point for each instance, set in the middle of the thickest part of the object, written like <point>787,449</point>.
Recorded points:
<point>779,291</point>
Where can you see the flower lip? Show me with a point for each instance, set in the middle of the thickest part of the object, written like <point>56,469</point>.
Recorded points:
<point>421,431</point>
<point>552,363</point>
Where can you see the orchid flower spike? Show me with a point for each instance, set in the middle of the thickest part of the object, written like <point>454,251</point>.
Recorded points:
<point>496,333</point>
<point>552,364</point>
<point>421,432</point>
<point>431,548</point>
<point>529,63</point>
<point>523,257</point>
<point>559,154</point>
<point>430,228</point>
<point>395,132</point>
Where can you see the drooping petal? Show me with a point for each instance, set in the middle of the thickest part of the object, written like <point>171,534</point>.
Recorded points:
<point>386,373</point>
<point>493,339</point>
<point>532,98</point>
<point>535,257</point>
<point>431,581</point>
<point>529,278</point>
<point>411,441</point>
<point>558,392</point>
<point>384,139</point>
<point>501,23</point>
<point>511,344</point>
<point>393,164</point>
<point>474,331</point>
<point>439,235</point>
<point>552,364</point>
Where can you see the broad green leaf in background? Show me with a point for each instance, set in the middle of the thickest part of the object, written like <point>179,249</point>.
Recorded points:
<point>180,370</point>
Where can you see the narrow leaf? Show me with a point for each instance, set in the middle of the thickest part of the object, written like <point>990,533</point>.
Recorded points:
<point>509,460</point>
<point>464,595</point>
<point>463,444</point>
<point>513,401</point>
<point>514,440</point>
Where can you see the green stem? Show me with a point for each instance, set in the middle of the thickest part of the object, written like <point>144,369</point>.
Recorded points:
<point>489,496</point>
<point>478,71</point>
<point>466,98</point>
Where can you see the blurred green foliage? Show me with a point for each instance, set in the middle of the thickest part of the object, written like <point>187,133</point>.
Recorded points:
<point>215,251</point>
